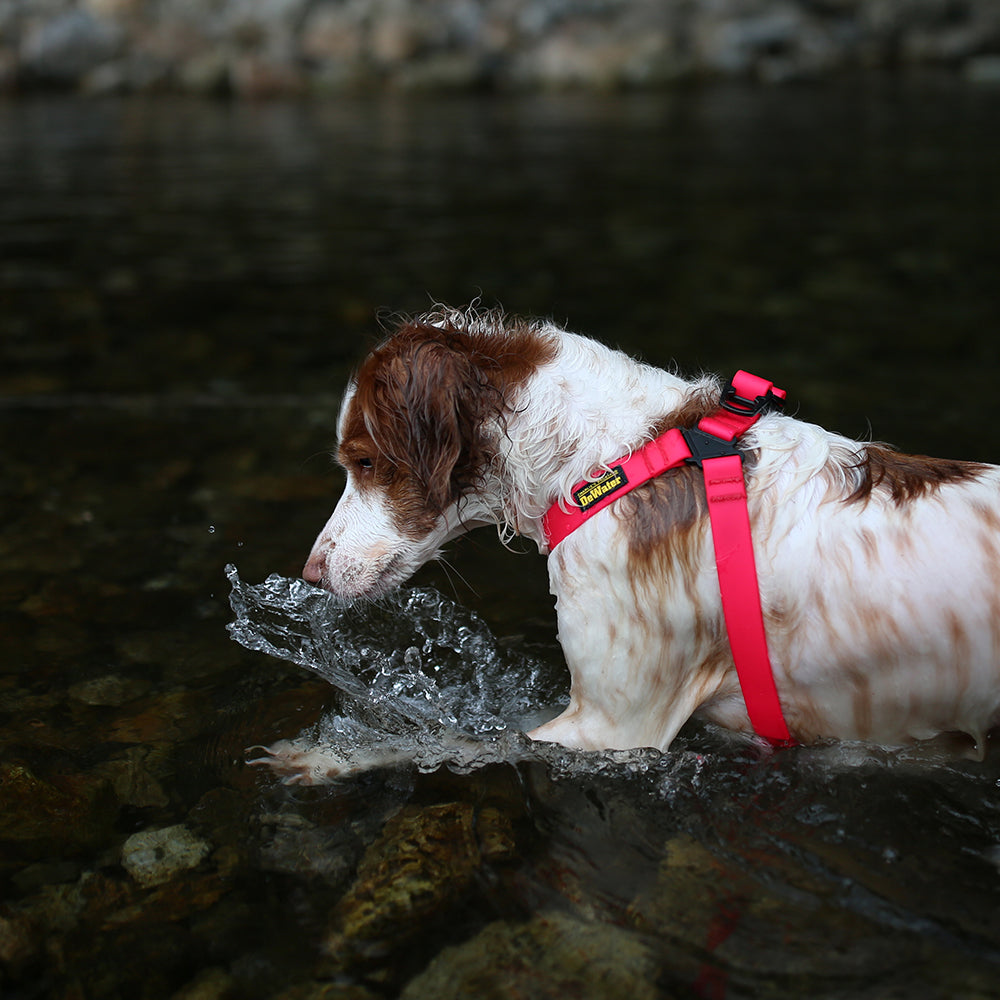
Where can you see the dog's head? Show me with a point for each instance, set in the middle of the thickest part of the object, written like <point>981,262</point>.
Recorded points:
<point>418,436</point>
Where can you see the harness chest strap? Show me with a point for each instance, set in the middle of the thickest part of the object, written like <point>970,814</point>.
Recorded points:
<point>712,447</point>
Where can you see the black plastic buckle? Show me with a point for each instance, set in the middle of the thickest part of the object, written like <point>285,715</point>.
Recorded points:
<point>702,446</point>
<point>735,403</point>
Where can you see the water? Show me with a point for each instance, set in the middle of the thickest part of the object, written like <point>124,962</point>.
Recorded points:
<point>183,289</point>
<point>420,678</point>
<point>804,844</point>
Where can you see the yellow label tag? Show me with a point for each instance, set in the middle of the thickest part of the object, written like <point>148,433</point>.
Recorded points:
<point>591,493</point>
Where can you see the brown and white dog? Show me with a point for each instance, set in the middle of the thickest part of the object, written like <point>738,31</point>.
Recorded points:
<point>879,572</point>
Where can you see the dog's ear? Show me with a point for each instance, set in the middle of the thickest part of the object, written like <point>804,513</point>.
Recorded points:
<point>448,401</point>
<point>428,400</point>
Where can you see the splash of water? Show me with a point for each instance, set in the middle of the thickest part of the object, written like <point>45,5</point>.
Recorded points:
<point>418,675</point>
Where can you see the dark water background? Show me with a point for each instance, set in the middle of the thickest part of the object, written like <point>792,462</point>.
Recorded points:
<point>183,290</point>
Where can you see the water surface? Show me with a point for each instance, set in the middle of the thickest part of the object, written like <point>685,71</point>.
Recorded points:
<point>183,290</point>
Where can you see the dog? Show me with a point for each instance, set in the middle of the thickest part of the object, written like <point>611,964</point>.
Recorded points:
<point>878,573</point>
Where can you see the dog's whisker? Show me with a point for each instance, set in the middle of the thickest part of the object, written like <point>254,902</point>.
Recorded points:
<point>451,570</point>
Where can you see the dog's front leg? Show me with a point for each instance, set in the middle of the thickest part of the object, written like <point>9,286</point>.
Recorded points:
<point>641,662</point>
<point>603,715</point>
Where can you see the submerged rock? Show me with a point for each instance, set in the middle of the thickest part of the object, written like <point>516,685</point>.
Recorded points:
<point>783,926</point>
<point>295,845</point>
<point>211,984</point>
<point>109,690</point>
<point>423,859</point>
<point>553,955</point>
<point>136,776</point>
<point>328,991</point>
<point>152,857</point>
<point>422,864</point>
<point>71,812</point>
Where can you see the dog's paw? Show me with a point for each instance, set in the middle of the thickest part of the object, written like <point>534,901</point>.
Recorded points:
<point>302,764</point>
<point>298,764</point>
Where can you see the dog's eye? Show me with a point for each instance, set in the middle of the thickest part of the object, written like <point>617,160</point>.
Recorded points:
<point>364,464</point>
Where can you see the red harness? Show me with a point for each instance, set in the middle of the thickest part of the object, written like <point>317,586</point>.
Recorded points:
<point>712,447</point>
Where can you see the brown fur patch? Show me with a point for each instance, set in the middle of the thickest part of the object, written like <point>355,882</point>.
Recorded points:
<point>869,546</point>
<point>883,471</point>
<point>988,515</point>
<point>781,616</point>
<point>961,644</point>
<point>424,402</point>
<point>664,522</point>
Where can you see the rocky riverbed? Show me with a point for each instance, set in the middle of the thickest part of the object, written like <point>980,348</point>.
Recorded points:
<point>266,47</point>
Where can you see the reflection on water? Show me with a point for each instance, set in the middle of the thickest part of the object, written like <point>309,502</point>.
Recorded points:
<point>183,288</point>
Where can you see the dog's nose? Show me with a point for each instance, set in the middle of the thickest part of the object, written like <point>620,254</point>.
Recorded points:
<point>314,569</point>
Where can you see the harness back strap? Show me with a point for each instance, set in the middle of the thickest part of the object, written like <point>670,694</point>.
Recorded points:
<point>712,447</point>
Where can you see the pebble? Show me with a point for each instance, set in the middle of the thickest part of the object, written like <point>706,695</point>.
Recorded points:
<point>109,690</point>
<point>153,857</point>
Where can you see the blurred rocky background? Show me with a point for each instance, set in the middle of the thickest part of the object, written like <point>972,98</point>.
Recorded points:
<point>263,47</point>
